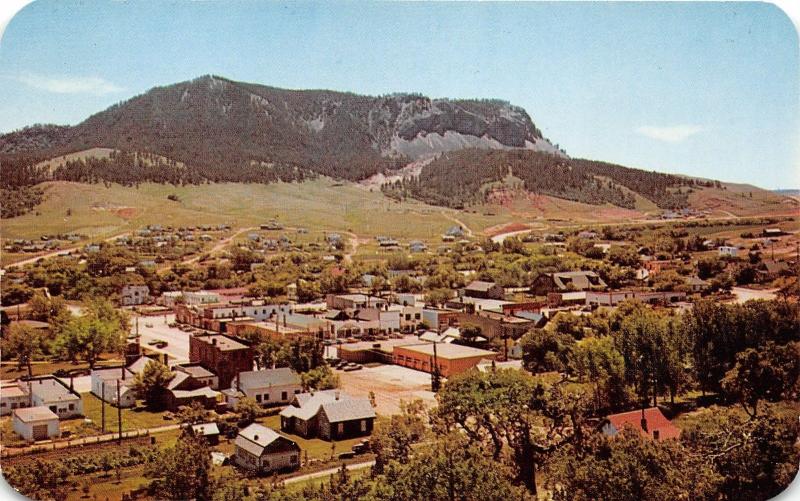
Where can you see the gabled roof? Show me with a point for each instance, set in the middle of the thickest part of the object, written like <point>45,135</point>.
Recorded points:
<point>255,438</point>
<point>283,376</point>
<point>176,381</point>
<point>348,410</point>
<point>655,421</point>
<point>310,403</point>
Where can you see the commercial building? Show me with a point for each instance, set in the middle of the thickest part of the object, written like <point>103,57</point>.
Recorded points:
<point>451,359</point>
<point>223,355</point>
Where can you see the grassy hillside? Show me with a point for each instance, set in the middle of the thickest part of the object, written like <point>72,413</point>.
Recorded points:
<point>97,210</point>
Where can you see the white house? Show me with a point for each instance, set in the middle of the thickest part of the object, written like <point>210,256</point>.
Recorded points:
<point>36,423</point>
<point>728,250</point>
<point>267,387</point>
<point>134,294</point>
<point>105,382</point>
<point>263,450</point>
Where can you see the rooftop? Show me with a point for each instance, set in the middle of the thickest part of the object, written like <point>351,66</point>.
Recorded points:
<point>283,376</point>
<point>52,390</point>
<point>224,343</point>
<point>448,350</point>
<point>656,421</point>
<point>29,414</point>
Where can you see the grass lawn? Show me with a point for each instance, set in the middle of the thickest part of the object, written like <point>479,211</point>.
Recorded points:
<point>9,369</point>
<point>316,448</point>
<point>132,419</point>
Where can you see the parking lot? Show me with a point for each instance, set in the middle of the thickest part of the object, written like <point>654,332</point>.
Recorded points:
<point>390,384</point>
<point>157,328</point>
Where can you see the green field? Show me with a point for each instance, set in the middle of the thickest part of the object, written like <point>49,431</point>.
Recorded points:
<point>99,211</point>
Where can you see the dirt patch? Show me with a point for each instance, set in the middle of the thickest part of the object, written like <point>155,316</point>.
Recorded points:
<point>505,228</point>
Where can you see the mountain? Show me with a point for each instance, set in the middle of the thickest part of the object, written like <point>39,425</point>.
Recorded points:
<point>221,130</point>
<point>447,152</point>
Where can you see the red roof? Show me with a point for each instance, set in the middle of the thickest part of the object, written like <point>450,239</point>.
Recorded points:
<point>337,271</point>
<point>656,421</point>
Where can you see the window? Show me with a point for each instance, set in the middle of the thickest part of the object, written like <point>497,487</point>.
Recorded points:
<point>340,428</point>
<point>258,398</point>
<point>416,316</point>
<point>293,459</point>
<point>72,407</point>
<point>363,426</point>
<point>53,408</point>
<point>2,404</point>
<point>266,396</point>
<point>284,395</point>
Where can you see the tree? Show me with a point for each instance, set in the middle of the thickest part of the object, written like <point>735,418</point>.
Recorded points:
<point>438,297</point>
<point>393,440</point>
<point>771,372</point>
<point>193,414</point>
<point>629,466</point>
<point>24,343</point>
<point>247,410</point>
<point>152,382</point>
<point>87,338</point>
<point>597,360</point>
<point>449,469</point>
<point>182,471</point>
<point>320,378</point>
<point>510,409</point>
<point>470,334</point>
<point>545,350</point>
<point>756,457</point>
<point>39,479</point>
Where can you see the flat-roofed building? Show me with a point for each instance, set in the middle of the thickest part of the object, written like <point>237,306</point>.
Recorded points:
<point>223,355</point>
<point>451,359</point>
<point>51,393</point>
<point>12,396</point>
<point>36,423</point>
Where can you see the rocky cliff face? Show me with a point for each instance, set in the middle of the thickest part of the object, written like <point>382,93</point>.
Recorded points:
<point>212,122</point>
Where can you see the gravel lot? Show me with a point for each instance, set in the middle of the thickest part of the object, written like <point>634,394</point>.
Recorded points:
<point>391,384</point>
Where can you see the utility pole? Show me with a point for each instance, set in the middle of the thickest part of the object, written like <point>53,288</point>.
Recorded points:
<point>436,379</point>
<point>119,415</point>
<point>103,404</point>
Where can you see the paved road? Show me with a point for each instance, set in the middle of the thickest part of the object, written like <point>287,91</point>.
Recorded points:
<point>328,472</point>
<point>177,340</point>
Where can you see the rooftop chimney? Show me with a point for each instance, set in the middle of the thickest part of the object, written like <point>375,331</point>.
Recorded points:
<point>255,437</point>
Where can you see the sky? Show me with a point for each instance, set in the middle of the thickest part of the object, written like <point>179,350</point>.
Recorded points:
<point>704,89</point>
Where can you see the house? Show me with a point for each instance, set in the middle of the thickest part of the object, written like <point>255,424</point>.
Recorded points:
<point>648,422</point>
<point>132,295</point>
<point>267,387</point>
<point>200,374</point>
<point>455,232</point>
<point>329,414</point>
<point>566,281</point>
<point>183,389</point>
<point>36,423</point>
<point>773,232</point>
<point>105,382</point>
<point>417,246</point>
<point>262,450</point>
<point>450,358</point>
<point>728,250</point>
<point>771,269</point>
<point>12,397</point>
<point>50,392</point>
<point>495,324</point>
<point>223,355</point>
<point>209,431</point>
<point>439,319</point>
<point>697,284</point>
<point>484,290</point>
<point>656,266</point>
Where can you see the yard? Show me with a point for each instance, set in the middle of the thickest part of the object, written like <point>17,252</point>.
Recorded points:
<point>132,419</point>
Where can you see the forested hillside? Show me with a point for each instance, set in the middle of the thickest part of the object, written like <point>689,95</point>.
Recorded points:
<point>455,179</point>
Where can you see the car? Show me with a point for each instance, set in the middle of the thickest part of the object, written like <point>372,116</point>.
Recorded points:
<point>153,342</point>
<point>149,326</point>
<point>347,455</point>
<point>350,368</point>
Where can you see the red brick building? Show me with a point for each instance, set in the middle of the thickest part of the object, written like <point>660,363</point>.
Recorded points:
<point>223,355</point>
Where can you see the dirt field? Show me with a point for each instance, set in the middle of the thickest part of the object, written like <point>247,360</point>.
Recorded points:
<point>391,384</point>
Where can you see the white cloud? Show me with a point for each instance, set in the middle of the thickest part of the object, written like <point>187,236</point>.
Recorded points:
<point>669,134</point>
<point>69,84</point>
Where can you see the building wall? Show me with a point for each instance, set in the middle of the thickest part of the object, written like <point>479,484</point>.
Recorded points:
<point>64,410</point>
<point>272,395</point>
<point>25,430</point>
<point>447,367</point>
<point>8,404</point>
<point>225,364</point>
<point>345,429</point>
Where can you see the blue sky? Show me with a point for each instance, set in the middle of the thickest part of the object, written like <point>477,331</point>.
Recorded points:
<point>707,89</point>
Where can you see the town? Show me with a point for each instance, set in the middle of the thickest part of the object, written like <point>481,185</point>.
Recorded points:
<point>287,356</point>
